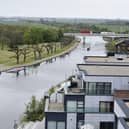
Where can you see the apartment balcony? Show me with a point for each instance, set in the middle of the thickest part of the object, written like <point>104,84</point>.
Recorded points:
<point>90,92</point>
<point>98,110</point>
<point>90,110</point>
<point>98,92</point>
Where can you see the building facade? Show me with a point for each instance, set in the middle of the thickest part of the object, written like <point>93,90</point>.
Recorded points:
<point>89,101</point>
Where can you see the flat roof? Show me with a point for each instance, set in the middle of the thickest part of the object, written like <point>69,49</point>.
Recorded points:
<point>55,107</point>
<point>104,69</point>
<point>109,59</point>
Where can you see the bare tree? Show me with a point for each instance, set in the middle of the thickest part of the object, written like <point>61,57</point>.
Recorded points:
<point>17,52</point>
<point>24,52</point>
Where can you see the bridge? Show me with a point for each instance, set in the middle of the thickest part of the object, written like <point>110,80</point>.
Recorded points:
<point>108,35</point>
<point>113,35</point>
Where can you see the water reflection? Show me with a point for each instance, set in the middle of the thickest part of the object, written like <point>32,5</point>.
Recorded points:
<point>15,90</point>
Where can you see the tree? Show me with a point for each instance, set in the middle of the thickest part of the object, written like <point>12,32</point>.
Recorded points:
<point>3,40</point>
<point>24,52</point>
<point>16,38</point>
<point>17,52</point>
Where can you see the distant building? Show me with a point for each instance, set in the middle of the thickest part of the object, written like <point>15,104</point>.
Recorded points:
<point>85,31</point>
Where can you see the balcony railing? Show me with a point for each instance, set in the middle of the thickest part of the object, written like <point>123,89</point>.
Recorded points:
<point>97,92</point>
<point>98,110</point>
<point>91,92</point>
<point>90,110</point>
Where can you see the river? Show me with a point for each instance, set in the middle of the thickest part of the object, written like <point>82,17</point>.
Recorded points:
<point>16,91</point>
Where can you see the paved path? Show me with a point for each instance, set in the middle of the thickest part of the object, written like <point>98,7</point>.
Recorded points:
<point>33,125</point>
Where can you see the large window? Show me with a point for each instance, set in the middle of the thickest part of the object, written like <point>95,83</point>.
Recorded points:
<point>106,125</point>
<point>56,125</point>
<point>60,125</point>
<point>71,106</point>
<point>97,88</point>
<point>106,107</point>
<point>75,106</point>
<point>51,125</point>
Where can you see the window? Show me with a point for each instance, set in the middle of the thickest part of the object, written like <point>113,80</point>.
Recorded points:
<point>71,106</point>
<point>106,106</point>
<point>51,125</point>
<point>75,106</point>
<point>106,125</point>
<point>60,125</point>
<point>98,88</point>
<point>92,88</point>
<point>80,106</point>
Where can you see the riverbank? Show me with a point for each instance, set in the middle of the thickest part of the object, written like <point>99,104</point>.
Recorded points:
<point>24,123</point>
<point>67,50</point>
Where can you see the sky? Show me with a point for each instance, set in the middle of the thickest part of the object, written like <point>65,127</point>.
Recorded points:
<point>109,9</point>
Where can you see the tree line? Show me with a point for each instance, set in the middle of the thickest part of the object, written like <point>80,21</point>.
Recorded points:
<point>19,35</point>
<point>22,40</point>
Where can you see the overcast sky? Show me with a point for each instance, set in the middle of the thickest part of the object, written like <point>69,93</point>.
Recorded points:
<point>66,8</point>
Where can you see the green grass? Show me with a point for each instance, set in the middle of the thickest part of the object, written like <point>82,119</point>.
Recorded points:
<point>7,60</point>
<point>115,28</point>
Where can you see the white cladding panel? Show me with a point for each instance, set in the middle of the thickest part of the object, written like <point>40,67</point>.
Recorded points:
<point>71,120</point>
<point>93,101</point>
<point>117,82</point>
<point>118,111</point>
<point>99,117</point>
<point>120,126</point>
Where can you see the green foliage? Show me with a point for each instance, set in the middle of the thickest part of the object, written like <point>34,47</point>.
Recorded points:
<point>51,91</point>
<point>34,110</point>
<point>111,46</point>
<point>19,35</point>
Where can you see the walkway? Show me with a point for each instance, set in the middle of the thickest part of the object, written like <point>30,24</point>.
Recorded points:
<point>33,125</point>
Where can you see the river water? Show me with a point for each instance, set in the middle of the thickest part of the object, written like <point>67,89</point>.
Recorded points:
<point>16,91</point>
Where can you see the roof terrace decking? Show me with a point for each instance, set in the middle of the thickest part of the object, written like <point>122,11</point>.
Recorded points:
<point>121,93</point>
<point>55,107</point>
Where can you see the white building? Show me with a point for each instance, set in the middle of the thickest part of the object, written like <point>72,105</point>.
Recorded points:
<point>89,100</point>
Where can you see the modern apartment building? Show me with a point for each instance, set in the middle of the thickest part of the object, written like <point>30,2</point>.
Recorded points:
<point>93,99</point>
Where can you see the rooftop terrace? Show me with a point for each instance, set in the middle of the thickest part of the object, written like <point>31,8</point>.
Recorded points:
<point>117,59</point>
<point>56,107</point>
<point>104,69</point>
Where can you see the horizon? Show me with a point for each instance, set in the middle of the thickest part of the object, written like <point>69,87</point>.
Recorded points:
<point>85,18</point>
<point>98,9</point>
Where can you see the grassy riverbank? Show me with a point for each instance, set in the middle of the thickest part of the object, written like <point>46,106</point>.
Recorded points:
<point>7,62</point>
<point>111,44</point>
<point>35,108</point>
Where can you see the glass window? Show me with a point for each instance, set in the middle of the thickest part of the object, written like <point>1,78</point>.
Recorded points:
<point>60,125</point>
<point>92,88</point>
<point>80,106</point>
<point>51,125</point>
<point>106,106</point>
<point>71,106</point>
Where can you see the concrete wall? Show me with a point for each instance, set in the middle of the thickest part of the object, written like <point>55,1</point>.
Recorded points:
<point>93,101</point>
<point>117,82</point>
<point>95,119</point>
<point>120,126</point>
<point>71,120</point>
<point>118,111</point>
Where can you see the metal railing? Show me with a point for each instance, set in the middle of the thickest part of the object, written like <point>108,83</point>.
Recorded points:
<point>90,110</point>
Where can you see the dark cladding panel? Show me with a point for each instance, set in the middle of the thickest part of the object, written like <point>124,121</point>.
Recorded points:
<point>74,98</point>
